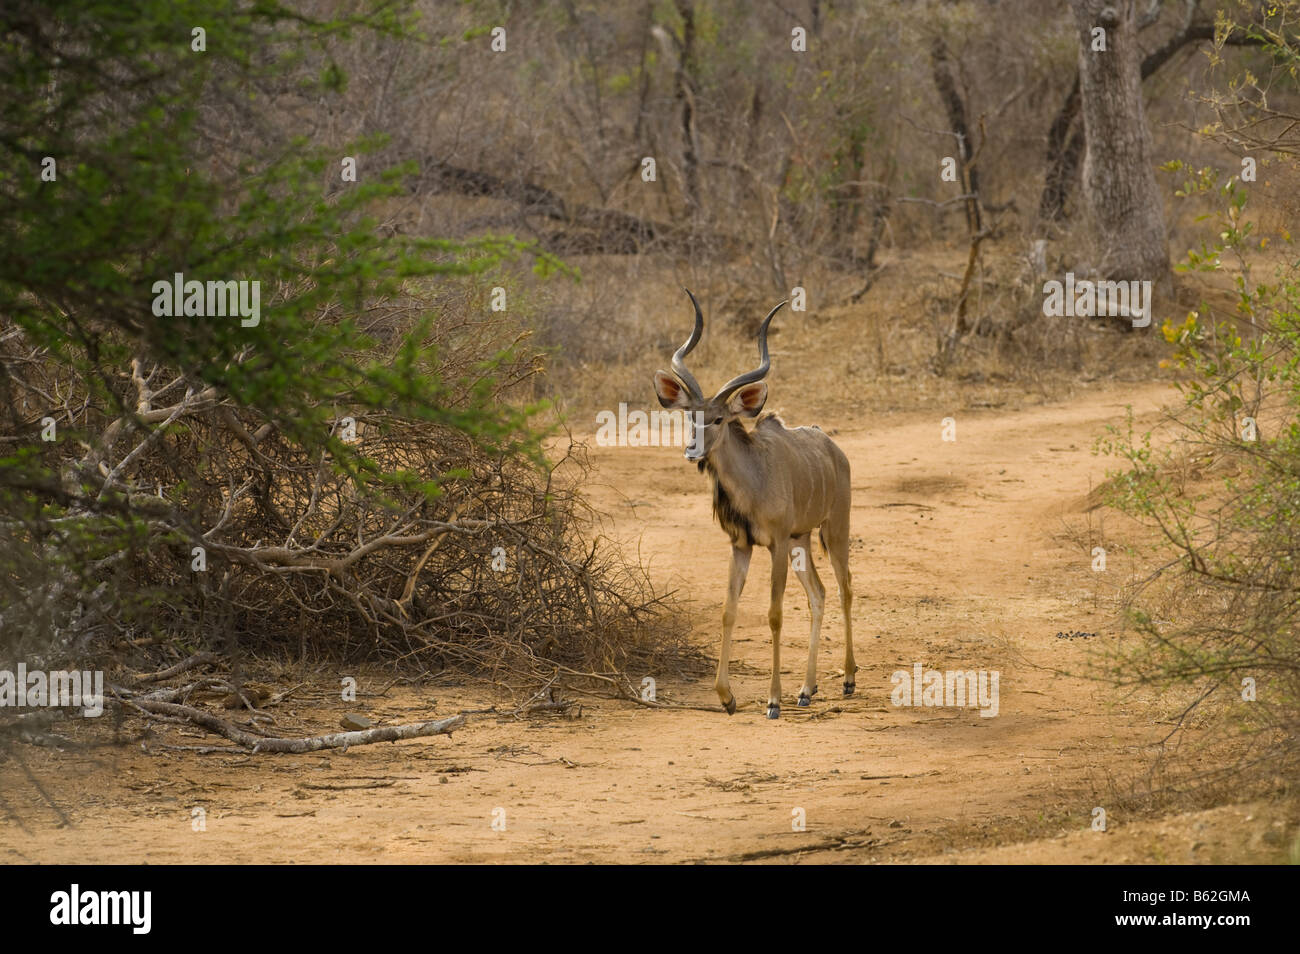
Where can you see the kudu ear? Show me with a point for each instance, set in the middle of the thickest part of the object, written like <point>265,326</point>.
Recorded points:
<point>671,392</point>
<point>749,400</point>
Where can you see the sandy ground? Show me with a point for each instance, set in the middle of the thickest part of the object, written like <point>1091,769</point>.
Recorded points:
<point>962,559</point>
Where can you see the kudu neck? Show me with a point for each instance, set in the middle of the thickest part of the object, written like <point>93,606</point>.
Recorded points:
<point>734,459</point>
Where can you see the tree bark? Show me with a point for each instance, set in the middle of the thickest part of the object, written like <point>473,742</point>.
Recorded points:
<point>685,82</point>
<point>1062,160</point>
<point>955,107</point>
<point>1064,155</point>
<point>1118,180</point>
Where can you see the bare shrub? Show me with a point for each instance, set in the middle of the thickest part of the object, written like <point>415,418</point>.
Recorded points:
<point>189,521</point>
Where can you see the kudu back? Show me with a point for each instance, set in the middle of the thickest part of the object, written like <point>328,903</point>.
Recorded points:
<point>772,486</point>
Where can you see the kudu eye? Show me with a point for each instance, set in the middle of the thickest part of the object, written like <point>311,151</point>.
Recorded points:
<point>716,420</point>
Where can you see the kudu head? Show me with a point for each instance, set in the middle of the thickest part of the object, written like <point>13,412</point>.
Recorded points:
<point>708,419</point>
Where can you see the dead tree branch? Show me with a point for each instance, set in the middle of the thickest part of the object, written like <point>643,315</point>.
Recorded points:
<point>338,740</point>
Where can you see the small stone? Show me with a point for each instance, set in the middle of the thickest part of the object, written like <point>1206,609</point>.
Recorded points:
<point>354,722</point>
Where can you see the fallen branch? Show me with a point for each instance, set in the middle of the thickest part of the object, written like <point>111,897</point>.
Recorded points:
<point>337,740</point>
<point>840,843</point>
<point>198,659</point>
<point>591,230</point>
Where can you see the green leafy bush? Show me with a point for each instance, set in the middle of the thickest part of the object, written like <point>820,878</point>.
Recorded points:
<point>1218,618</point>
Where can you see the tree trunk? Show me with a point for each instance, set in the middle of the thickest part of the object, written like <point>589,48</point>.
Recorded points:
<point>685,82</point>
<point>1119,183</point>
<point>1063,157</point>
<point>945,82</point>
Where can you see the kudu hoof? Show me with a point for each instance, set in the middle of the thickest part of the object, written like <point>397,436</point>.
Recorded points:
<point>731,706</point>
<point>773,711</point>
<point>805,698</point>
<point>848,688</point>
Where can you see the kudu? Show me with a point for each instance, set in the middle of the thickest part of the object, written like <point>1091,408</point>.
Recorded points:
<point>772,486</point>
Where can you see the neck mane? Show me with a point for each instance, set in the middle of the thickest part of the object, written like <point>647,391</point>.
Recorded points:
<point>732,493</point>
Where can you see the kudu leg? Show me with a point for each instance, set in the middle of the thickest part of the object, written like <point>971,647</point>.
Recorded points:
<point>801,563</point>
<point>780,553</point>
<point>739,570</point>
<point>837,548</point>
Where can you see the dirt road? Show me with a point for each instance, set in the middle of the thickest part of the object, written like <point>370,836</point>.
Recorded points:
<point>962,560</point>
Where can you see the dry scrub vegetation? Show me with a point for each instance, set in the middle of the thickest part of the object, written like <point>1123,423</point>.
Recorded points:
<point>243,540</point>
